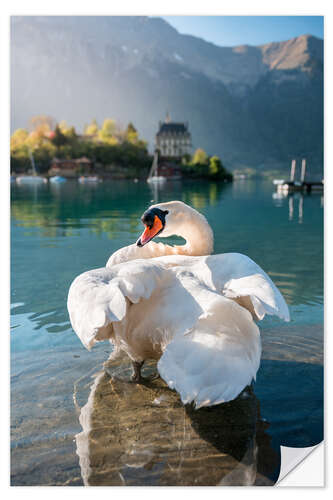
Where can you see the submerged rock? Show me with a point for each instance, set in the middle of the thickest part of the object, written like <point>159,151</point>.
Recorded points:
<point>141,434</point>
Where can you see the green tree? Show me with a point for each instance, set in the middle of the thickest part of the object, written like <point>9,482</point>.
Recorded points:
<point>115,149</point>
<point>59,138</point>
<point>71,136</point>
<point>43,156</point>
<point>63,126</point>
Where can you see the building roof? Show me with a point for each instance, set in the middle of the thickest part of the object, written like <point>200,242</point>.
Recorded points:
<point>172,128</point>
<point>83,159</point>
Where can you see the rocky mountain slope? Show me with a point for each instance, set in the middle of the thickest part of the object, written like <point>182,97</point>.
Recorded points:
<point>257,106</point>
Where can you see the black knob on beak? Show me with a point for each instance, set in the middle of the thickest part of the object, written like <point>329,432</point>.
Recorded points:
<point>148,218</point>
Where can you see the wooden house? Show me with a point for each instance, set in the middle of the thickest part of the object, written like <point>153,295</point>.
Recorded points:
<point>71,168</point>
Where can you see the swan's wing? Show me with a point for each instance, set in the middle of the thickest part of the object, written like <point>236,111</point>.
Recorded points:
<point>236,276</point>
<point>100,297</point>
<point>214,361</point>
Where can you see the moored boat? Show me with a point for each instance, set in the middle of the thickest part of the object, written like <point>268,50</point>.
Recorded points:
<point>57,179</point>
<point>90,178</point>
<point>30,179</point>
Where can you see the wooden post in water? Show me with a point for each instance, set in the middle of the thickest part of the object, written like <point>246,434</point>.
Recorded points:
<point>303,170</point>
<point>292,170</point>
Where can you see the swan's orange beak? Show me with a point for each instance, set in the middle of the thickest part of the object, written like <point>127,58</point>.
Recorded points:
<point>150,232</point>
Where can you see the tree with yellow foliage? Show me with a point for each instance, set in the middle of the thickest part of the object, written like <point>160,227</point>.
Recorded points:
<point>92,129</point>
<point>108,132</point>
<point>131,134</point>
<point>200,157</point>
<point>18,138</point>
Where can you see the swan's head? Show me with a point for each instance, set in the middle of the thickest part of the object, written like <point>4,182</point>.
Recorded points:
<point>154,220</point>
<point>167,219</point>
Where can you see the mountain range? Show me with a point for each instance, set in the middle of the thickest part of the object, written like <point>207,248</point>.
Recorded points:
<point>254,106</point>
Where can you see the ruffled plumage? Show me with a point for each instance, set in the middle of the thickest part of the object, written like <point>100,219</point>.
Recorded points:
<point>194,314</point>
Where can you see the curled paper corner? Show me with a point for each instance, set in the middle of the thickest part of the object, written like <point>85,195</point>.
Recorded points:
<point>305,470</point>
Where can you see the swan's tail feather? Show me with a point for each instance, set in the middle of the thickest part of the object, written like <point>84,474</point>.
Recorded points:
<point>212,364</point>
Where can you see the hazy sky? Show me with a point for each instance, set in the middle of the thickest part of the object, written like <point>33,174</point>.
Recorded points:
<point>251,30</point>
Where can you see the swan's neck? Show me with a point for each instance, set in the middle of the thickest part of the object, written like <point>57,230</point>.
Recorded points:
<point>198,235</point>
<point>193,227</point>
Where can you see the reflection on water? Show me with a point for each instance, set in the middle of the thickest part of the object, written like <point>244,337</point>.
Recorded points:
<point>142,435</point>
<point>294,200</point>
<point>60,208</point>
<point>59,231</point>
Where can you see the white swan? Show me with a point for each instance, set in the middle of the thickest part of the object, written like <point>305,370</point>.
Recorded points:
<point>192,311</point>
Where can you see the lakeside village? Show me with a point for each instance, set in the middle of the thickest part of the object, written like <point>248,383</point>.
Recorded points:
<point>53,150</point>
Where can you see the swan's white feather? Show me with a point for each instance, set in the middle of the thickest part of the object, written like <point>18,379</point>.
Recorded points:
<point>213,362</point>
<point>236,275</point>
<point>195,314</point>
<point>97,298</point>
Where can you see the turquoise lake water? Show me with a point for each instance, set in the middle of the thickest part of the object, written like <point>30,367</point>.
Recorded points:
<point>60,231</point>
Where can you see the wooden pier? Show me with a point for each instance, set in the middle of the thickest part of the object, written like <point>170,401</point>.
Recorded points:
<point>301,185</point>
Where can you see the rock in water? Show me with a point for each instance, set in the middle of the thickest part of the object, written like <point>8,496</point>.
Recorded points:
<point>141,435</point>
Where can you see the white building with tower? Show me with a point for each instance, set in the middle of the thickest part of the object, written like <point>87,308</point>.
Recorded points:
<point>173,139</point>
